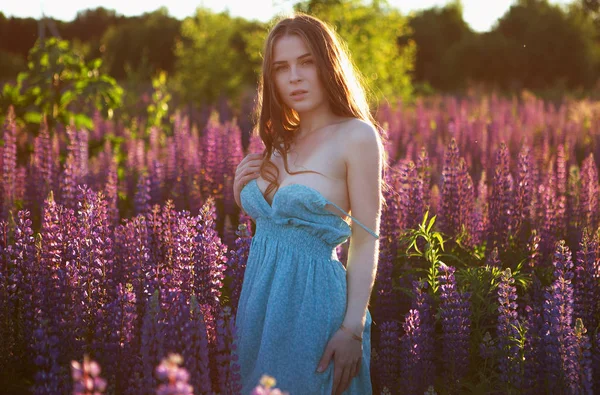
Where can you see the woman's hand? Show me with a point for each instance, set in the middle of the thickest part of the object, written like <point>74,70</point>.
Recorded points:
<point>246,170</point>
<point>347,354</point>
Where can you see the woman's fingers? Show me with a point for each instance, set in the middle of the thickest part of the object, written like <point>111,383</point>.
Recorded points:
<point>345,380</point>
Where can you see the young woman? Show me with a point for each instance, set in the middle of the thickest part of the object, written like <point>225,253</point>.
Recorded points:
<point>302,317</point>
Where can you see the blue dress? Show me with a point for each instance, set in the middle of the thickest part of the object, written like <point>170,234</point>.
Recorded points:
<point>293,296</point>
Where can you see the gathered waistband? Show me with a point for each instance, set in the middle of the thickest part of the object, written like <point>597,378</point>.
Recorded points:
<point>295,237</point>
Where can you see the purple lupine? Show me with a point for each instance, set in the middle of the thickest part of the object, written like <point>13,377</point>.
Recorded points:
<point>41,173</point>
<point>510,356</point>
<point>573,217</point>
<point>235,377</point>
<point>580,355</point>
<point>482,206</point>
<point>22,280</point>
<point>236,263</point>
<point>423,303</point>
<point>156,177</point>
<point>548,220</point>
<point>493,259</point>
<point>234,156</point>
<point>210,259</point>
<point>132,256</point>
<point>48,376</point>
<point>174,378</point>
<point>7,329</point>
<point>55,306</point>
<point>450,192</point>
<point>596,359</point>
<point>111,192</point>
<point>523,194</point>
<point>86,377</point>
<point>411,351</point>
<point>152,341</point>
<point>389,357</point>
<point>561,190</point>
<point>533,349</point>
<point>223,350</point>
<point>385,306</point>
<point>534,258</point>
<point>127,328</point>
<point>585,282</point>
<point>196,350</point>
<point>590,190</point>
<point>411,195</point>
<point>501,201</point>
<point>176,318</point>
<point>558,315</point>
<point>456,331</point>
<point>68,183</point>
<point>424,171</point>
<point>9,164</point>
<point>467,218</point>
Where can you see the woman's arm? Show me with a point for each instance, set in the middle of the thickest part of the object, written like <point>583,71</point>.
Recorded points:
<point>363,156</point>
<point>364,168</point>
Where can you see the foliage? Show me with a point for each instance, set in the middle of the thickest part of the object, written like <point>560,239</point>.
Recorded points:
<point>60,85</point>
<point>215,57</point>
<point>372,33</point>
<point>159,107</point>
<point>434,245</point>
<point>435,31</point>
<point>140,46</point>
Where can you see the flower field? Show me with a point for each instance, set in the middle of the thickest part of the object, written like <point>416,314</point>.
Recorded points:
<point>128,248</point>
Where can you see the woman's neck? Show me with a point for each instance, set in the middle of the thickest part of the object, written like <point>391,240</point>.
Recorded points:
<point>314,120</point>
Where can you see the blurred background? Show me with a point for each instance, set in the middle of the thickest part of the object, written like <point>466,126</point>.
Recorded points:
<point>211,51</point>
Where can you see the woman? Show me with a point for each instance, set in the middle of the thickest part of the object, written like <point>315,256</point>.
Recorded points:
<point>302,317</point>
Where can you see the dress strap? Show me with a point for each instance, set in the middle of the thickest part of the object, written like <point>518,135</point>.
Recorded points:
<point>355,220</point>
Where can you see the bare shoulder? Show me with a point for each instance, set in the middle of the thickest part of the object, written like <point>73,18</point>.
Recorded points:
<point>357,135</point>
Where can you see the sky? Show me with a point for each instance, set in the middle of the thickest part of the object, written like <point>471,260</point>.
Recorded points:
<point>479,14</point>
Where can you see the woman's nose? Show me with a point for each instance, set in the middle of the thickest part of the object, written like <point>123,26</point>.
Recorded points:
<point>294,74</point>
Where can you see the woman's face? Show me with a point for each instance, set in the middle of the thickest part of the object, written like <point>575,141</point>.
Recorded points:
<point>295,75</point>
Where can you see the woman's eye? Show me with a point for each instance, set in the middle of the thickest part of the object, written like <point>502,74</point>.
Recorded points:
<point>279,68</point>
<point>308,61</point>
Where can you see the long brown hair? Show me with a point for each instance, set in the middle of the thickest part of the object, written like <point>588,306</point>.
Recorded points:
<point>341,82</point>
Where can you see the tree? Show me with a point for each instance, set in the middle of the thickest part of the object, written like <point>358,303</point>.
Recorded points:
<point>141,46</point>
<point>372,32</point>
<point>59,84</point>
<point>217,56</point>
<point>436,31</point>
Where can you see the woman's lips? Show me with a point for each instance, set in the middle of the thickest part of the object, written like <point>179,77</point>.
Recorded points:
<point>298,95</point>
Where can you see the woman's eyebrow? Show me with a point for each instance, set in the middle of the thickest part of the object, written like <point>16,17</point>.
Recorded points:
<point>299,57</point>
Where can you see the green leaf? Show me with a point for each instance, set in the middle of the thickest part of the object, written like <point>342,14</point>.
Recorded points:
<point>33,117</point>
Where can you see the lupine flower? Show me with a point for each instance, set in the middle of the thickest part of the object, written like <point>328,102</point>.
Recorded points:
<point>501,201</point>
<point>455,317</point>
<point>585,282</point>
<point>174,378</point>
<point>389,356</point>
<point>196,350</point>
<point>511,361</point>
<point>266,387</point>
<point>152,340</point>
<point>450,192</point>
<point>590,190</point>
<point>579,350</point>
<point>236,264</point>
<point>558,315</point>
<point>523,194</point>
<point>423,303</point>
<point>385,306</point>
<point>86,377</point>
<point>9,163</point>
